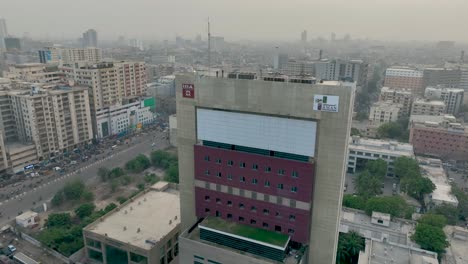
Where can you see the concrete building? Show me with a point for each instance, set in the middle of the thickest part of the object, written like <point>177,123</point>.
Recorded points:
<point>336,70</point>
<point>402,97</point>
<point>20,156</point>
<point>118,119</point>
<point>441,76</point>
<point>442,194</point>
<point>173,130</point>
<point>279,60</point>
<point>27,219</point>
<point>34,72</point>
<point>380,219</point>
<point>362,150</point>
<point>164,86</point>
<point>132,78</point>
<point>452,97</point>
<point>298,68</point>
<point>444,140</point>
<point>3,33</point>
<point>405,78</point>
<point>90,39</point>
<point>73,55</point>
<point>380,252</point>
<point>383,112</point>
<point>50,55</point>
<point>427,107</point>
<point>144,229</point>
<point>12,44</point>
<point>261,157</point>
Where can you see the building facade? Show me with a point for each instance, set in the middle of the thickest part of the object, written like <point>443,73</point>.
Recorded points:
<point>3,33</point>
<point>73,55</point>
<point>90,39</point>
<point>132,77</point>
<point>362,150</point>
<point>441,76</point>
<point>248,155</point>
<point>337,70</point>
<point>405,78</point>
<point>398,96</point>
<point>34,72</point>
<point>428,107</point>
<point>383,112</point>
<point>298,68</point>
<point>452,97</point>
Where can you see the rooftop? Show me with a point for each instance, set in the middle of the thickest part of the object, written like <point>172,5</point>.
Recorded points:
<point>257,234</point>
<point>148,216</point>
<point>378,145</point>
<point>26,215</point>
<point>382,252</point>
<point>429,102</point>
<point>430,118</point>
<point>399,91</point>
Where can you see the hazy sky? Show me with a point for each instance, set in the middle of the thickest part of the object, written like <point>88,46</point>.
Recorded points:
<point>241,19</point>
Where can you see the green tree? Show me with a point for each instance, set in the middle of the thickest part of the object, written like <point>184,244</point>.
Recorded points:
<point>151,178</point>
<point>121,199</point>
<point>377,168</point>
<point>433,220</point>
<point>58,198</point>
<point>404,165</point>
<point>349,246</point>
<point>103,173</point>
<point>141,186</point>
<point>354,201</point>
<point>462,198</point>
<point>355,132</point>
<point>162,159</point>
<point>126,180</point>
<point>172,173</point>
<point>110,207</point>
<point>73,190</point>
<point>115,173</point>
<point>114,184</point>
<point>367,185</point>
<point>416,186</point>
<point>60,220</point>
<point>393,205</point>
<point>392,130</point>
<point>87,196</point>
<point>85,210</point>
<point>138,164</point>
<point>450,212</point>
<point>430,238</point>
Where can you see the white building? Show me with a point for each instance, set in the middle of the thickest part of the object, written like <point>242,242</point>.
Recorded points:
<point>398,96</point>
<point>27,219</point>
<point>336,70</point>
<point>428,107</point>
<point>72,55</point>
<point>380,219</point>
<point>433,170</point>
<point>452,97</point>
<point>118,119</point>
<point>298,68</point>
<point>173,130</point>
<point>360,150</point>
<point>3,33</point>
<point>383,112</point>
<point>164,86</point>
<point>34,72</point>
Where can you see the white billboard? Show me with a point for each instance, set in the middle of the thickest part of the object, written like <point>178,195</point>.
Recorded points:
<point>288,135</point>
<point>326,103</point>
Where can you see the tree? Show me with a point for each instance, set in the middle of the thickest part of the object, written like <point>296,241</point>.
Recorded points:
<point>430,238</point>
<point>354,201</point>
<point>405,165</point>
<point>114,184</point>
<point>393,205</point>
<point>462,198</point>
<point>433,220</point>
<point>110,207</point>
<point>377,168</point>
<point>87,196</point>
<point>451,212</point>
<point>391,130</point>
<point>138,164</point>
<point>103,173</point>
<point>57,199</point>
<point>172,174</point>
<point>416,186</point>
<point>115,173</point>
<point>355,132</point>
<point>367,185</point>
<point>349,246</point>
<point>162,159</point>
<point>151,178</point>
<point>85,210</point>
<point>60,220</point>
<point>73,190</point>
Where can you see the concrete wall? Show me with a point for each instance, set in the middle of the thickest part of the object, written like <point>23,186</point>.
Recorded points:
<point>280,99</point>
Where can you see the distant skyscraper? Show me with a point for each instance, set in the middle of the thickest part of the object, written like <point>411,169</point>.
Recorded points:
<point>280,60</point>
<point>333,36</point>
<point>304,36</point>
<point>3,33</point>
<point>90,38</point>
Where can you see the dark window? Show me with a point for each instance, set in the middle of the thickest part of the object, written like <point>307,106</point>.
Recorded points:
<point>242,164</point>
<point>281,172</point>
<point>253,209</point>
<point>241,206</point>
<point>294,189</point>
<point>242,179</point>
<point>254,181</point>
<point>267,169</point>
<point>253,222</point>
<point>207,172</point>
<point>254,167</point>
<point>207,210</point>
<point>280,186</point>
<point>207,198</point>
<point>229,203</point>
<point>267,183</point>
<point>230,163</point>
<point>229,176</point>
<point>292,218</point>
<point>290,231</point>
<point>295,174</point>
<point>218,161</point>
<point>207,158</point>
<point>266,211</point>
<point>218,174</point>
<point>241,219</point>
<point>218,201</point>
<point>277,214</point>
<point>380,221</point>
<point>277,228</point>
<point>229,216</point>
<point>218,214</point>
<point>265,225</point>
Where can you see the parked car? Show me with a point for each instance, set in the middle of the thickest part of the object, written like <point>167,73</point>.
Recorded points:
<point>11,248</point>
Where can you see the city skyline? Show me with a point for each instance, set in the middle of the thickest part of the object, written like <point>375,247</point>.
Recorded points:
<point>361,19</point>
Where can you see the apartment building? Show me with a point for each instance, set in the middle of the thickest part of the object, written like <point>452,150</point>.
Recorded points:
<point>132,78</point>
<point>444,140</point>
<point>293,67</point>
<point>402,97</point>
<point>362,150</point>
<point>383,112</point>
<point>441,76</point>
<point>144,229</point>
<point>69,55</point>
<point>337,70</point>
<point>34,72</point>
<point>428,107</point>
<point>452,97</point>
<point>254,182</point>
<point>405,78</point>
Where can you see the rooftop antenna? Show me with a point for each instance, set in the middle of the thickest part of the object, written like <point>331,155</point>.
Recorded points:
<point>209,47</point>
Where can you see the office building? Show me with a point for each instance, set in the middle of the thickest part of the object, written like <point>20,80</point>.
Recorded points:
<point>298,68</point>
<point>383,112</point>
<point>444,140</point>
<point>144,229</point>
<point>463,68</point>
<point>73,55</point>
<point>304,36</point>
<point>256,187</point>
<point>50,55</point>
<point>90,39</point>
<point>34,73</point>
<point>279,60</point>
<point>362,150</point>
<point>441,76</point>
<point>164,86</point>
<point>12,44</point>
<point>120,119</point>
<point>442,194</point>
<point>452,97</point>
<point>337,70</point>
<point>405,78</point>
<point>427,107</point>
<point>3,33</point>
<point>398,96</point>
<point>132,77</point>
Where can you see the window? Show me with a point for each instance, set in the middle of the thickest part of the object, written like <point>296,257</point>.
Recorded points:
<point>277,228</point>
<point>277,214</point>
<point>241,206</point>
<point>292,218</point>
<point>207,198</point>
<point>253,209</point>
<point>254,166</point>
<point>218,161</point>
<point>218,174</point>
<point>280,186</point>
<point>207,172</point>
<point>229,176</point>
<point>265,225</point>
<point>229,216</point>
<point>207,210</point>
<point>267,183</point>
<point>280,172</point>
<point>242,179</point>
<point>380,221</point>
<point>360,153</point>
<point>242,164</point>
<point>266,211</point>
<point>218,214</point>
<point>253,222</point>
<point>218,201</point>
<point>294,189</point>
<point>295,174</point>
<point>207,158</point>
<point>254,181</point>
<point>368,154</point>
<point>241,219</point>
<point>230,163</point>
<point>267,169</point>
<point>213,262</point>
<point>290,231</point>
<point>229,203</point>
<point>93,243</point>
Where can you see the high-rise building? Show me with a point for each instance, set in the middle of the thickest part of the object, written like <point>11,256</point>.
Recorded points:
<point>261,167</point>
<point>34,72</point>
<point>427,107</point>
<point>49,55</point>
<point>12,44</point>
<point>90,39</point>
<point>280,60</point>
<point>3,33</point>
<point>405,78</point>
<point>441,76</point>
<point>337,70</point>
<point>383,112</point>
<point>452,97</point>
<point>132,77</point>
<point>398,96</point>
<point>304,36</point>
<point>72,55</point>
<point>298,68</point>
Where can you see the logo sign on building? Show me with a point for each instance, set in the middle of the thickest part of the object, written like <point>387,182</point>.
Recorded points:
<point>188,90</point>
<point>326,103</point>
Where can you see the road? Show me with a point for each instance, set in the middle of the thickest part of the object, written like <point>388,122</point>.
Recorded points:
<point>87,173</point>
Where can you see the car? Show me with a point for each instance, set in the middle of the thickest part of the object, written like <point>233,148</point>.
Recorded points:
<point>73,162</point>
<point>11,248</point>
<point>154,144</point>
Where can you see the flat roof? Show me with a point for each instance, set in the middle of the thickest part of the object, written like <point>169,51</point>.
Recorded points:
<point>381,252</point>
<point>430,118</point>
<point>154,213</point>
<point>261,235</point>
<point>382,146</point>
<point>429,102</point>
<point>26,215</point>
<point>432,169</point>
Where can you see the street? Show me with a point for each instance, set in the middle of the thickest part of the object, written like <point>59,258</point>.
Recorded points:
<point>87,172</point>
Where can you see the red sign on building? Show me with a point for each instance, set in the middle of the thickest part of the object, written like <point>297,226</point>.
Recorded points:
<point>188,90</point>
